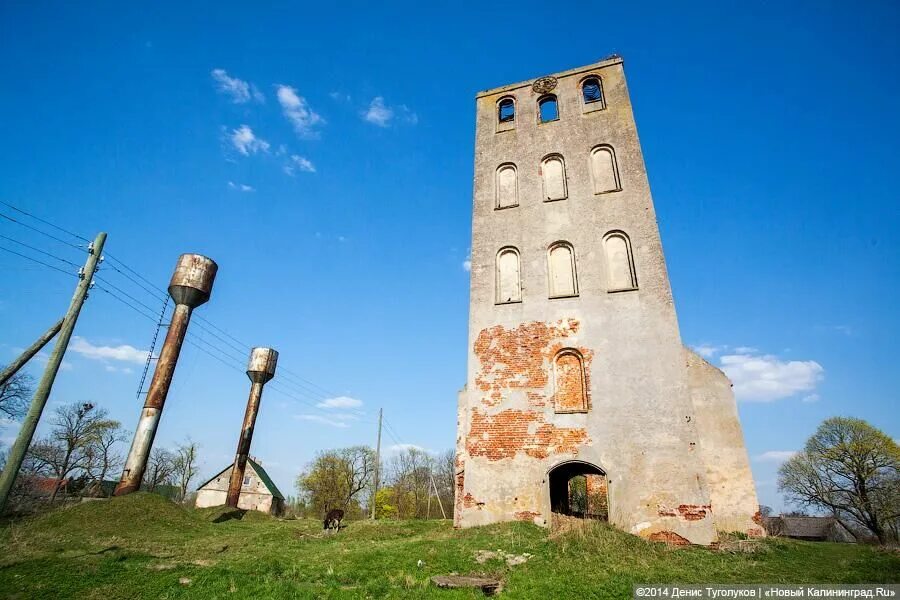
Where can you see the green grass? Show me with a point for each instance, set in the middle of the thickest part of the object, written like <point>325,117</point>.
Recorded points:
<point>142,546</point>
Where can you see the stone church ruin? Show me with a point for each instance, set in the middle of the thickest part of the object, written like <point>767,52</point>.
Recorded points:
<point>581,398</point>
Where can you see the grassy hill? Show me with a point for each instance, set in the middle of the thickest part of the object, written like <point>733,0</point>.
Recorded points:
<point>143,546</point>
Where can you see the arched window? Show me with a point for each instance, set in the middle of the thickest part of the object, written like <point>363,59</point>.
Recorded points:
<point>548,108</point>
<point>592,90</point>
<point>509,283</point>
<point>604,171</point>
<point>506,110</point>
<point>570,394</point>
<point>553,174</point>
<point>507,186</point>
<point>619,262</point>
<point>561,264</point>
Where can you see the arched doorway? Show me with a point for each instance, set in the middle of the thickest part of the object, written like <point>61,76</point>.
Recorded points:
<point>579,489</point>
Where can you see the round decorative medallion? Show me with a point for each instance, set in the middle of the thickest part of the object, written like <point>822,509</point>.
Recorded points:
<point>544,85</point>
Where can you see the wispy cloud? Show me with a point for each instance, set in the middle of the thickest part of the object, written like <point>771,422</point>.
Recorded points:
<point>242,187</point>
<point>297,110</point>
<point>332,422</point>
<point>340,402</point>
<point>339,96</point>
<point>380,114</point>
<point>707,350</point>
<point>299,163</point>
<point>402,447</point>
<point>123,353</point>
<point>239,90</point>
<point>467,264</point>
<point>765,378</point>
<point>246,142</point>
<point>778,456</point>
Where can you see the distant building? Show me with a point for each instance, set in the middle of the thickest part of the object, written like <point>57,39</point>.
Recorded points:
<point>258,491</point>
<point>810,529</point>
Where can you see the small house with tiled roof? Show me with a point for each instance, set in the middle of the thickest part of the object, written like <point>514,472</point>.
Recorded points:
<point>258,491</point>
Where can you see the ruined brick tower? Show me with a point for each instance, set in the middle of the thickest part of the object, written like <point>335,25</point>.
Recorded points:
<point>576,368</point>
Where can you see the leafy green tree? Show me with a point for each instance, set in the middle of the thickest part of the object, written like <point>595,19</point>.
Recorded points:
<point>337,478</point>
<point>850,469</point>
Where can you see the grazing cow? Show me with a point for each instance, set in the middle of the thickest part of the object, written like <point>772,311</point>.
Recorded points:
<point>333,519</point>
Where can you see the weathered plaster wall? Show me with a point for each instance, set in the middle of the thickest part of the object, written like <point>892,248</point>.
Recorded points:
<point>730,481</point>
<point>254,495</point>
<point>639,427</point>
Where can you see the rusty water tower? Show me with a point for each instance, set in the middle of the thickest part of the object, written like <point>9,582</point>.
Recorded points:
<point>260,370</point>
<point>190,287</point>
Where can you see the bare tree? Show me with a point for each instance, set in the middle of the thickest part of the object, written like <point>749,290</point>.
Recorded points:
<point>75,427</point>
<point>410,471</point>
<point>185,466</point>
<point>851,470</point>
<point>14,395</point>
<point>102,455</point>
<point>160,469</point>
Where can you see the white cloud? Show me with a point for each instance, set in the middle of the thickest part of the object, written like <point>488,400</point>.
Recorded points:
<point>124,353</point>
<point>324,420</point>
<point>811,398</point>
<point>467,264</point>
<point>764,377</point>
<point>298,112</point>
<point>243,187</point>
<point>340,96</point>
<point>382,115</point>
<point>299,163</point>
<point>246,142</point>
<point>401,447</point>
<point>707,350</point>
<point>778,456</point>
<point>240,91</point>
<point>340,402</point>
<point>745,350</point>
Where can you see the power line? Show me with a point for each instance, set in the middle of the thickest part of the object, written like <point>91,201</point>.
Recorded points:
<point>126,294</point>
<point>15,208</point>
<point>126,303</point>
<point>44,233</point>
<point>40,262</point>
<point>151,291</point>
<point>45,253</point>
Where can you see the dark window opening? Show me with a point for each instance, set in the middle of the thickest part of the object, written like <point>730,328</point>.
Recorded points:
<point>507,111</point>
<point>549,109</point>
<point>579,490</point>
<point>591,90</point>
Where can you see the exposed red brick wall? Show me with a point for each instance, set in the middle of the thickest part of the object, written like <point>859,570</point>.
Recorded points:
<point>520,359</point>
<point>570,394</point>
<point>527,515</point>
<point>469,501</point>
<point>694,512</point>
<point>669,537</point>
<point>510,432</point>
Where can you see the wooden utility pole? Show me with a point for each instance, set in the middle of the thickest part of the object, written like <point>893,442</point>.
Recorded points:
<point>23,440</point>
<point>377,463</point>
<point>29,352</point>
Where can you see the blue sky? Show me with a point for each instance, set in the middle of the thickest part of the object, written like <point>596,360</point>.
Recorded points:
<point>323,157</point>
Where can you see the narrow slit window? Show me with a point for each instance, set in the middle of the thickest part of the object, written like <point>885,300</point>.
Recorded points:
<point>592,90</point>
<point>619,262</point>
<point>509,284</point>
<point>553,175</point>
<point>506,110</point>
<point>561,259</point>
<point>604,170</point>
<point>507,186</point>
<point>548,109</point>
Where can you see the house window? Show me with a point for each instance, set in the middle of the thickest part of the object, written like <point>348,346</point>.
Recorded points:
<point>570,394</point>
<point>592,90</point>
<point>619,262</point>
<point>548,109</point>
<point>604,171</point>
<point>553,175</point>
<point>561,265</point>
<point>247,480</point>
<point>507,186</point>
<point>509,283</point>
<point>506,110</point>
